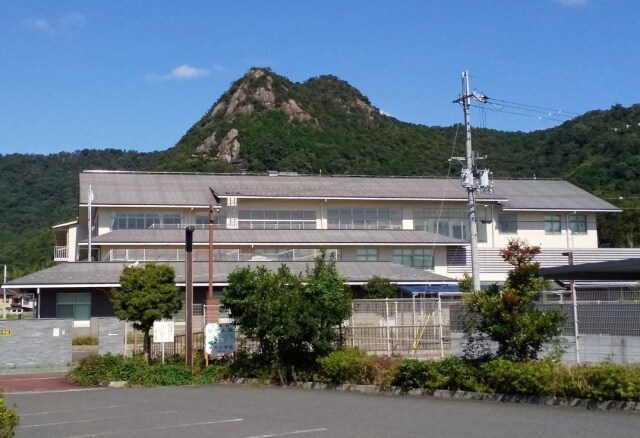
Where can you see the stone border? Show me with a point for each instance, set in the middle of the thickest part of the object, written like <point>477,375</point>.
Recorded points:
<point>608,405</point>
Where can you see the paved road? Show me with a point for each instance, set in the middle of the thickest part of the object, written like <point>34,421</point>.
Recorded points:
<point>252,412</point>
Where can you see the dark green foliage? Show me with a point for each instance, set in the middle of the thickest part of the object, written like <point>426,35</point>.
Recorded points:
<point>211,374</point>
<point>9,420</point>
<point>294,319</point>
<point>38,191</point>
<point>162,375</point>
<point>507,316</point>
<point>99,370</point>
<point>451,373</point>
<point>379,287</point>
<point>146,294</point>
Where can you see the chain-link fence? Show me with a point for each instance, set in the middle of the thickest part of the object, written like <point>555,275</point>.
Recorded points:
<point>608,326</point>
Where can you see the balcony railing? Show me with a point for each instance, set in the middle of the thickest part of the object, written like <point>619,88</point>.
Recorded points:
<point>60,253</point>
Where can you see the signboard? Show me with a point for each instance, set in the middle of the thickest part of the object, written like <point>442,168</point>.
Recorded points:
<point>219,339</point>
<point>163,331</point>
<point>5,332</point>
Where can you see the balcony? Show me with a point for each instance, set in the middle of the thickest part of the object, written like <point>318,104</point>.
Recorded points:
<point>60,253</point>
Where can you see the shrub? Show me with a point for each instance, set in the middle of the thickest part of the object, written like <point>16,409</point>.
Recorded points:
<point>605,382</point>
<point>526,378</point>
<point>8,420</point>
<point>383,370</point>
<point>85,340</point>
<point>451,373</point>
<point>211,374</point>
<point>348,365</point>
<point>163,375</point>
<point>98,370</point>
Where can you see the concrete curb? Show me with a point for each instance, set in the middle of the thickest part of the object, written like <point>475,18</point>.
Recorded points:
<point>608,405</point>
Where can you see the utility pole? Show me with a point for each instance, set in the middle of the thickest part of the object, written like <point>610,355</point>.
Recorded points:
<point>470,178</point>
<point>89,221</point>
<point>4,295</point>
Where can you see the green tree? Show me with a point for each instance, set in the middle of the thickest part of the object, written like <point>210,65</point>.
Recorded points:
<point>294,318</point>
<point>147,294</point>
<point>508,316</point>
<point>379,287</point>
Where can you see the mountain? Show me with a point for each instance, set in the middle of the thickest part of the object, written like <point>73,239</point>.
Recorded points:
<point>324,125</point>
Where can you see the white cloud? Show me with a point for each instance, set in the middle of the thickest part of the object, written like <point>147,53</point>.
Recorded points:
<point>572,3</point>
<point>57,26</point>
<point>40,25</point>
<point>181,73</point>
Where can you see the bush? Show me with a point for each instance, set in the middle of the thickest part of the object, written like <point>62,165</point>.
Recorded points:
<point>8,420</point>
<point>85,340</point>
<point>348,365</point>
<point>211,374</point>
<point>451,373</point>
<point>383,370</point>
<point>163,375</point>
<point>99,370</point>
<point>526,378</point>
<point>605,382</point>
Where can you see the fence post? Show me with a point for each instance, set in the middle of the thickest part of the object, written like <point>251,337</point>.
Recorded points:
<point>575,320</point>
<point>386,311</point>
<point>440,325</point>
<point>351,328</point>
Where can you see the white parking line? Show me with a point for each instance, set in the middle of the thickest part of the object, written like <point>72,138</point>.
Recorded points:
<point>91,419</point>
<point>128,432</point>
<point>70,411</point>
<point>294,432</point>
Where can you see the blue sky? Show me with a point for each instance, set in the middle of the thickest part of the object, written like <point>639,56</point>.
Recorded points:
<point>138,74</point>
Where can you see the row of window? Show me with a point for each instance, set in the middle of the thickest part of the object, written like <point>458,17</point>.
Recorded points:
<point>508,223</point>
<point>413,257</point>
<point>447,222</point>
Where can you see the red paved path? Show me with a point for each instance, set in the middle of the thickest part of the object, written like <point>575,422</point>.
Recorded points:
<point>35,382</point>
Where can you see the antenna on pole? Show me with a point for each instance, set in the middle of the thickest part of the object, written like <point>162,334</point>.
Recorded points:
<point>471,178</point>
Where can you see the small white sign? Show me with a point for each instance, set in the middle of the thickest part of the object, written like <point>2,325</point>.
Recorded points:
<point>220,339</point>
<point>163,331</point>
<point>56,332</point>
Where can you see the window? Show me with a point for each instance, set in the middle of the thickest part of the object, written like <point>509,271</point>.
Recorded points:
<point>298,254</point>
<point>578,224</point>
<point>450,222</point>
<point>373,218</point>
<point>277,219</point>
<point>219,221</point>
<point>76,306</point>
<point>413,257</point>
<point>136,220</point>
<point>508,223</point>
<point>552,224</point>
<point>367,255</point>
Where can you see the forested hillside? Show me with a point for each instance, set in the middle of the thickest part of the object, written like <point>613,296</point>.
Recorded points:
<point>324,125</point>
<point>38,191</point>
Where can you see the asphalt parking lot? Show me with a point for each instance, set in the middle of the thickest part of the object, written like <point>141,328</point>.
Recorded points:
<point>258,412</point>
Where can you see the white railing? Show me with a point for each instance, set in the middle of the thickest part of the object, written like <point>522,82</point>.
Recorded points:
<point>60,253</point>
<point>459,259</point>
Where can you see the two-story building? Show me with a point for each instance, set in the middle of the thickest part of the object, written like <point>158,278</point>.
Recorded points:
<point>414,231</point>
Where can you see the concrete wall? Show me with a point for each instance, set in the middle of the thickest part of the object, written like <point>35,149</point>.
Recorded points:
<point>43,343</point>
<point>111,335</point>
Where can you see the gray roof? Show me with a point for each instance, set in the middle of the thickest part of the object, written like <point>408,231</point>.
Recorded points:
<point>616,270</point>
<point>181,189</point>
<point>105,274</point>
<point>313,238</point>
